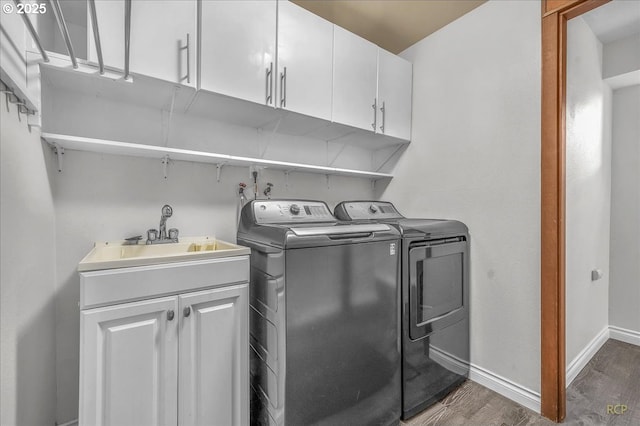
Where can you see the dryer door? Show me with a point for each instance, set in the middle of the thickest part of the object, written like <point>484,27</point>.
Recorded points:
<point>436,285</point>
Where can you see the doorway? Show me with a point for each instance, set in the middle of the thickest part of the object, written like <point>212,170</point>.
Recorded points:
<point>555,16</point>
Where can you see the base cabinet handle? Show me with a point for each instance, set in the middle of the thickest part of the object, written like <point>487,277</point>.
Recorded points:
<point>170,315</point>
<point>187,311</point>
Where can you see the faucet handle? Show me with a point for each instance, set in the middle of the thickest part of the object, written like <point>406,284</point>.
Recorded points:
<point>173,234</point>
<point>152,235</point>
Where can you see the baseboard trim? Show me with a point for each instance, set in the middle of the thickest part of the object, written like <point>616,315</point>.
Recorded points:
<point>71,423</point>
<point>449,361</point>
<point>505,387</point>
<point>624,335</point>
<point>585,355</point>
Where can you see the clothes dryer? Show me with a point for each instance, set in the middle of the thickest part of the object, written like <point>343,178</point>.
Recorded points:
<point>435,300</point>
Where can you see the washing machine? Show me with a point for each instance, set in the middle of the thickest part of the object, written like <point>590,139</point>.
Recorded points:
<point>435,300</point>
<point>324,329</point>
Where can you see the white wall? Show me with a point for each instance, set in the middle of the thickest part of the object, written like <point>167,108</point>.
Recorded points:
<point>621,56</point>
<point>624,284</point>
<point>27,277</point>
<point>588,186</point>
<point>475,156</point>
<point>105,198</point>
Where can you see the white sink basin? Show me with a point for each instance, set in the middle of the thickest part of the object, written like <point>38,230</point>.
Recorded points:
<point>109,255</point>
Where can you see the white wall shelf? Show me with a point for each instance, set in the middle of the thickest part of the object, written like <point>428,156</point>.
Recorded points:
<point>78,143</point>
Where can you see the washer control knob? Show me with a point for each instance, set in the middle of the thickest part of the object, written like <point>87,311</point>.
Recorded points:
<point>373,208</point>
<point>294,209</point>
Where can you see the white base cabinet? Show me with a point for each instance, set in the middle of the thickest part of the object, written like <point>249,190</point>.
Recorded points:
<point>129,364</point>
<point>213,357</point>
<point>181,359</point>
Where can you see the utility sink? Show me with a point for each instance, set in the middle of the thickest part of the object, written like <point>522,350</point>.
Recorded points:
<point>110,255</point>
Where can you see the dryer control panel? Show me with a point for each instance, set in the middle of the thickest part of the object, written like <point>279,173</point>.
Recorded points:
<point>287,211</point>
<point>363,210</point>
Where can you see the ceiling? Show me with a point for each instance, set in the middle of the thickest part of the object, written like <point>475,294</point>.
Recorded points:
<point>615,20</point>
<point>393,25</point>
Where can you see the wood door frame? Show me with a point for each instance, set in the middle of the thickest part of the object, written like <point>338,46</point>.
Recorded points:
<point>555,14</point>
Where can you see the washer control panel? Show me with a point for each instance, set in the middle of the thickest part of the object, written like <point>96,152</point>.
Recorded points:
<point>363,210</point>
<point>287,211</point>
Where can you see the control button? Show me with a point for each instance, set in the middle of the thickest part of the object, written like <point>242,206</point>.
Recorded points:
<point>294,209</point>
<point>373,208</point>
<point>263,207</point>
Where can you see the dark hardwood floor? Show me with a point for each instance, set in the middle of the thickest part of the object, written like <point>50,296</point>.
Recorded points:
<point>611,377</point>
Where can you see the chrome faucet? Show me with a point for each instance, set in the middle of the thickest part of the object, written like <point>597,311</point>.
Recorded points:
<point>160,236</point>
<point>167,212</point>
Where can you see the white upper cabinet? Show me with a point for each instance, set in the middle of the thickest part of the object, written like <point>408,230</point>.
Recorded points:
<point>355,66</point>
<point>305,61</point>
<point>394,95</point>
<point>237,49</point>
<point>162,41</point>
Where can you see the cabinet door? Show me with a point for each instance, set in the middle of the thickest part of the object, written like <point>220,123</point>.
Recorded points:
<point>159,34</point>
<point>394,95</point>
<point>237,50</point>
<point>305,61</point>
<point>128,364</point>
<point>355,78</point>
<point>214,357</point>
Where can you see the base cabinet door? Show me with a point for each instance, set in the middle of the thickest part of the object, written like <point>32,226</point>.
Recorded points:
<point>214,357</point>
<point>128,364</point>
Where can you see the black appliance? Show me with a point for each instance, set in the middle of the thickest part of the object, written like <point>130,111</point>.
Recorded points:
<point>435,300</point>
<point>325,344</point>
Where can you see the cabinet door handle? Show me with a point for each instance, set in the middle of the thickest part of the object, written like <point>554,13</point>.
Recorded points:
<point>187,311</point>
<point>170,315</point>
<point>375,113</point>
<point>269,85</point>
<point>283,88</point>
<point>383,114</point>
<point>188,47</point>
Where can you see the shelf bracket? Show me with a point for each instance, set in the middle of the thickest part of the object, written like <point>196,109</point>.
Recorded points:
<point>173,103</point>
<point>340,151</point>
<point>165,164</point>
<point>59,151</point>
<point>270,137</point>
<point>219,167</point>
<point>393,153</point>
